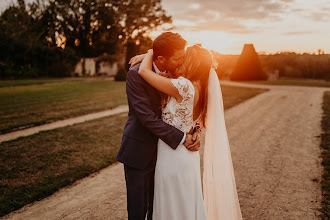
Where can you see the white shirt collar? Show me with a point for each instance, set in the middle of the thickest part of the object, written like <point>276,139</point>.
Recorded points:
<point>156,68</point>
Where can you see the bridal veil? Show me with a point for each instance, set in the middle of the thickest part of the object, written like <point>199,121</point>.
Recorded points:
<point>219,187</point>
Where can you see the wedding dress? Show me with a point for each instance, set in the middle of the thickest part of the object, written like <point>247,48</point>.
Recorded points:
<point>178,190</point>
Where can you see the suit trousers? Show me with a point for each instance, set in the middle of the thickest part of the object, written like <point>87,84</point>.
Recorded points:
<point>140,191</point>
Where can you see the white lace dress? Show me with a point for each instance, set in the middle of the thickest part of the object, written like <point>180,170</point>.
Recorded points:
<point>178,190</point>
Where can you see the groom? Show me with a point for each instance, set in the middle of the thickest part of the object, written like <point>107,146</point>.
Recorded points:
<point>138,151</point>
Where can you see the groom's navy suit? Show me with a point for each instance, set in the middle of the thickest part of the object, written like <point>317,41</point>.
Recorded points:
<point>138,151</point>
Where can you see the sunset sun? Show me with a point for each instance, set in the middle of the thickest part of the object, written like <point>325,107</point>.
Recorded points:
<point>218,41</point>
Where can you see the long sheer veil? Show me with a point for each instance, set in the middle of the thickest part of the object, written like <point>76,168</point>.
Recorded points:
<point>219,187</point>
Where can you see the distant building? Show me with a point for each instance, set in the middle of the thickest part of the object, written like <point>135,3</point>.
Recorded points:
<point>99,66</point>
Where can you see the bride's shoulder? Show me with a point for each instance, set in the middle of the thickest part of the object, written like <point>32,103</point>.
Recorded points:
<point>184,85</point>
<point>197,86</point>
<point>184,81</point>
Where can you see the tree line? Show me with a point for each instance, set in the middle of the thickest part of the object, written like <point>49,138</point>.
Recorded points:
<point>293,65</point>
<point>47,38</point>
<point>285,64</point>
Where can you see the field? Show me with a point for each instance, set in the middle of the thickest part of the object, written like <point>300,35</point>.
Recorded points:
<point>35,102</point>
<point>36,166</point>
<point>7,83</point>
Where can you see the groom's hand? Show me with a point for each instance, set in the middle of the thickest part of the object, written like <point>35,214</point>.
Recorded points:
<point>196,141</point>
<point>197,136</point>
<point>189,141</point>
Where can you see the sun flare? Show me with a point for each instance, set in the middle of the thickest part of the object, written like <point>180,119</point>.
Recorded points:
<point>211,40</point>
<point>218,41</point>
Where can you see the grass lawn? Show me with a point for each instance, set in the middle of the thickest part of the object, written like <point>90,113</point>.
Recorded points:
<point>34,167</point>
<point>289,82</point>
<point>325,144</point>
<point>25,82</point>
<point>233,95</point>
<point>35,104</point>
<point>8,83</point>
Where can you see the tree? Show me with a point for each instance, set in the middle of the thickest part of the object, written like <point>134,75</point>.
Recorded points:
<point>20,34</point>
<point>248,66</point>
<point>137,20</point>
<point>95,27</point>
<point>87,26</point>
<point>25,52</point>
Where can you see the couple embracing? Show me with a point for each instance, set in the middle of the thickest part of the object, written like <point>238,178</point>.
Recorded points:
<point>172,94</point>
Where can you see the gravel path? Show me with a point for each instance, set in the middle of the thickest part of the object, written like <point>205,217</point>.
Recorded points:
<point>276,155</point>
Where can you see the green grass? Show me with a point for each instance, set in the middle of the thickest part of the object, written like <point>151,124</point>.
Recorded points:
<point>233,95</point>
<point>8,83</point>
<point>325,144</point>
<point>313,83</point>
<point>34,167</point>
<point>26,82</point>
<point>30,105</point>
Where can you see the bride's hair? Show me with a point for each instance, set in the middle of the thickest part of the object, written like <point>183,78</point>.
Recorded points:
<point>197,64</point>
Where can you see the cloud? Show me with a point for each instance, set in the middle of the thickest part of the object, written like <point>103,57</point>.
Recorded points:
<point>229,25</point>
<point>316,10</point>
<point>225,15</point>
<point>319,16</point>
<point>297,32</point>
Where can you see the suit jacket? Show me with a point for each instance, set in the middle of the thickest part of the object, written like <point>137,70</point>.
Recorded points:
<point>144,125</point>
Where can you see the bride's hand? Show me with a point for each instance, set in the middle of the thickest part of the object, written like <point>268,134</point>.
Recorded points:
<point>195,143</point>
<point>136,59</point>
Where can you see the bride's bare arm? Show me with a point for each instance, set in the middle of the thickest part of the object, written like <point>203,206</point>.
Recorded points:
<point>136,59</point>
<point>161,83</point>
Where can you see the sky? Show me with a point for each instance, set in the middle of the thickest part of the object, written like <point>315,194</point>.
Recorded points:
<point>271,25</point>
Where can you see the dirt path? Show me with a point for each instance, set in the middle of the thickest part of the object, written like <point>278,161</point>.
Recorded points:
<point>276,157</point>
<point>62,123</point>
<point>276,153</point>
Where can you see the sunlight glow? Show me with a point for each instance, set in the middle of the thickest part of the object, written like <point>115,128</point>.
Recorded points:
<point>215,40</point>
<point>185,23</point>
<point>297,25</point>
<point>195,6</point>
<point>211,40</point>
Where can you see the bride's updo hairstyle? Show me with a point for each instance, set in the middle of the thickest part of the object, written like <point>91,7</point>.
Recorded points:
<point>197,64</point>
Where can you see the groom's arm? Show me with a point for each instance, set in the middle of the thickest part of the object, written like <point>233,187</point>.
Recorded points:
<point>140,102</point>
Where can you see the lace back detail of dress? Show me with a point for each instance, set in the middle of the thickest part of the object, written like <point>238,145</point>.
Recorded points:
<point>180,115</point>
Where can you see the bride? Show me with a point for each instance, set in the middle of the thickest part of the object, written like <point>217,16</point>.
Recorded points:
<point>194,96</point>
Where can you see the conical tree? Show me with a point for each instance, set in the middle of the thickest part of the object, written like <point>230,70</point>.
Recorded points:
<point>248,66</point>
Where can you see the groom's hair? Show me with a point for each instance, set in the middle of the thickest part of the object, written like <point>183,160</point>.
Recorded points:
<point>167,43</point>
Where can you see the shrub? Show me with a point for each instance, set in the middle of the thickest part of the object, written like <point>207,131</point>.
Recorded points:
<point>248,66</point>
<point>41,61</point>
<point>121,75</point>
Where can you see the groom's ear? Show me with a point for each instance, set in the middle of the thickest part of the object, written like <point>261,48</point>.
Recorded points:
<point>161,59</point>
